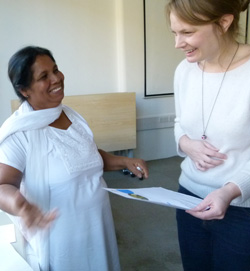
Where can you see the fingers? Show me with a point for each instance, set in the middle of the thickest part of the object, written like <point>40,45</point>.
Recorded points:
<point>214,205</point>
<point>47,218</point>
<point>207,213</point>
<point>200,167</point>
<point>208,163</point>
<point>204,214</point>
<point>142,170</point>
<point>213,153</point>
<point>138,171</point>
<point>204,210</point>
<point>138,167</point>
<point>34,218</point>
<point>210,158</point>
<point>202,207</point>
<point>204,155</point>
<point>215,157</point>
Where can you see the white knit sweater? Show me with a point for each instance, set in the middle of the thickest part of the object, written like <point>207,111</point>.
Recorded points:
<point>228,128</point>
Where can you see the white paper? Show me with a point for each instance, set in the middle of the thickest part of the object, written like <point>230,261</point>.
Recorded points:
<point>158,195</point>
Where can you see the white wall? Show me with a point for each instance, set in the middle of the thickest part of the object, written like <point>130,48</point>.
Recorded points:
<point>81,35</point>
<point>99,46</point>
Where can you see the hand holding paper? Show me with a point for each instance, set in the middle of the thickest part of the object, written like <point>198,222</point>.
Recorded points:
<point>158,195</point>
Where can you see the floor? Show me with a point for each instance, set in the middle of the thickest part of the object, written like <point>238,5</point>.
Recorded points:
<point>146,232</point>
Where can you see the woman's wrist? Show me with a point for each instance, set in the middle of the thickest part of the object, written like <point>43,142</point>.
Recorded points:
<point>183,141</point>
<point>231,191</point>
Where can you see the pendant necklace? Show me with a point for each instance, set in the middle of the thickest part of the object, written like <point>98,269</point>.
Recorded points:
<point>204,137</point>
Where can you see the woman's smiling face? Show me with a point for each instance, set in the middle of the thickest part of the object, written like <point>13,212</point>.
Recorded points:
<point>197,42</point>
<point>47,86</point>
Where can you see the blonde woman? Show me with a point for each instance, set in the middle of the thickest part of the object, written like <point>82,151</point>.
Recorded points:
<point>212,130</point>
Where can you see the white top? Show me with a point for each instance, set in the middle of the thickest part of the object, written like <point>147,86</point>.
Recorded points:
<point>228,128</point>
<point>82,237</point>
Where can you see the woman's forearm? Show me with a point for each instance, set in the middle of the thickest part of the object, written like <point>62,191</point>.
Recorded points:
<point>11,200</point>
<point>114,162</point>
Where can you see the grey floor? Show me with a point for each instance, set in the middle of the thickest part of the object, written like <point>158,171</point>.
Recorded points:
<point>146,232</point>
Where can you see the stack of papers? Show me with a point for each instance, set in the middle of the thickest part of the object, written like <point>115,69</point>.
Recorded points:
<point>158,195</point>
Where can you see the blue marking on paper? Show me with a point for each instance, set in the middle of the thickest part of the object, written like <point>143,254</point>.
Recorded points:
<point>125,191</point>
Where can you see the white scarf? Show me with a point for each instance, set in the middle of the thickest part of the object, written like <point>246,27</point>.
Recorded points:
<point>35,180</point>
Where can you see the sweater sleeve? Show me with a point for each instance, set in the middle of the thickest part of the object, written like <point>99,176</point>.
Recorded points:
<point>178,131</point>
<point>242,180</point>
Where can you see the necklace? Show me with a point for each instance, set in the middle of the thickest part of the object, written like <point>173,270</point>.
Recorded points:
<point>204,137</point>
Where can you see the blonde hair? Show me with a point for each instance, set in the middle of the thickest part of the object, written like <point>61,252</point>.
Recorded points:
<point>202,12</point>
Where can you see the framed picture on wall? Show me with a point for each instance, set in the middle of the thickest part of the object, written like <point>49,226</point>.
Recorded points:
<point>161,57</point>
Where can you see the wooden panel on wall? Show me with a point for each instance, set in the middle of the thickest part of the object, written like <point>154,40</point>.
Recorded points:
<point>111,117</point>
